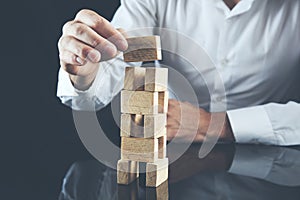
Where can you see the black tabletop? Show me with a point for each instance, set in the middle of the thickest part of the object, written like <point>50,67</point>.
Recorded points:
<point>228,172</point>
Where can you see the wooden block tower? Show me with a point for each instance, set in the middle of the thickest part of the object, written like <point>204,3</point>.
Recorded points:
<point>144,104</point>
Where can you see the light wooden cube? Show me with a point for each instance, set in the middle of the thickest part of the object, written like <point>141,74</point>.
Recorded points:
<point>162,147</point>
<point>146,126</point>
<point>134,78</point>
<point>142,102</point>
<point>127,171</point>
<point>139,149</point>
<point>144,157</point>
<point>141,49</point>
<point>157,172</point>
<point>156,79</point>
<point>163,101</point>
<point>139,145</point>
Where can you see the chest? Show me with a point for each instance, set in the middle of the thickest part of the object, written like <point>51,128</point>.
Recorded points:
<point>255,51</point>
<point>263,37</point>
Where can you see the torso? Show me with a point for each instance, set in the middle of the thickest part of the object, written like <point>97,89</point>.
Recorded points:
<point>260,45</point>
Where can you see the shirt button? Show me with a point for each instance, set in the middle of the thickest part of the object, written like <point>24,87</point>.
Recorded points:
<point>218,99</point>
<point>224,61</point>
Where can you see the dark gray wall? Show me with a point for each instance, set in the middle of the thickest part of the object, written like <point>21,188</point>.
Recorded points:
<point>38,139</point>
<point>29,57</point>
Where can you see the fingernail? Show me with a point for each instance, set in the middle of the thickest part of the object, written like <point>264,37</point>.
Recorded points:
<point>122,44</point>
<point>79,60</point>
<point>94,56</point>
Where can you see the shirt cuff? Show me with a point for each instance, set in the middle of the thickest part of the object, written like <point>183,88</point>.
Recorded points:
<point>77,99</point>
<point>251,125</point>
<point>247,162</point>
<point>65,88</point>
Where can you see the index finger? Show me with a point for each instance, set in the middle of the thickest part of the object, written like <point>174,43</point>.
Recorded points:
<point>102,27</point>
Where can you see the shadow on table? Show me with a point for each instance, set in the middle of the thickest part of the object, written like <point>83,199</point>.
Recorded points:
<point>228,172</point>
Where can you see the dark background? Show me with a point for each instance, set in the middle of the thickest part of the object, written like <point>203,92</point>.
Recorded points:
<point>38,138</point>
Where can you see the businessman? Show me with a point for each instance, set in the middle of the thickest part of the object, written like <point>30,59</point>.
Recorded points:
<point>253,44</point>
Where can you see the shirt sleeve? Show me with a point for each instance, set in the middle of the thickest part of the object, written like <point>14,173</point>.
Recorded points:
<point>274,124</point>
<point>274,164</point>
<point>132,14</point>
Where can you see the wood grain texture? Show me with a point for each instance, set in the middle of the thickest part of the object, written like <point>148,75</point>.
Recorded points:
<point>156,79</point>
<point>155,125</point>
<point>139,145</point>
<point>132,125</point>
<point>125,126</point>
<point>139,102</point>
<point>146,157</point>
<point>162,147</point>
<point>139,149</point>
<point>141,49</point>
<point>163,100</point>
<point>157,172</point>
<point>143,126</point>
<point>127,171</point>
<point>134,78</point>
<point>144,102</point>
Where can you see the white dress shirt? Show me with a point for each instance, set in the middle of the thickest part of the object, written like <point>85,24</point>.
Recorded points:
<point>254,46</point>
<point>278,165</point>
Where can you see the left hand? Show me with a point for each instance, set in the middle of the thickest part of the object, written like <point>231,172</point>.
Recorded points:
<point>188,122</point>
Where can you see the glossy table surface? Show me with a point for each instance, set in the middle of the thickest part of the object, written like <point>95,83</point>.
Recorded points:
<point>229,171</point>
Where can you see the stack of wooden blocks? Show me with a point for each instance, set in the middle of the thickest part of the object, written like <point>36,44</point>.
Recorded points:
<point>144,104</point>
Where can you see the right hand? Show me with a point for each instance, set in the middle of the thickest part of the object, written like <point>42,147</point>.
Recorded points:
<point>85,41</point>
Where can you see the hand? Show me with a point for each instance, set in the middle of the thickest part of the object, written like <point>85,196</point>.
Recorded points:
<point>188,122</point>
<point>87,40</point>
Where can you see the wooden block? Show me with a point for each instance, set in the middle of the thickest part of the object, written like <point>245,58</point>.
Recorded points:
<point>143,126</point>
<point>139,145</point>
<point>137,126</point>
<point>158,193</point>
<point>139,102</point>
<point>134,78</point>
<point>146,157</point>
<point>143,49</point>
<point>156,79</point>
<point>125,125</point>
<point>127,171</point>
<point>139,149</point>
<point>163,100</point>
<point>155,125</point>
<point>144,103</point>
<point>157,172</point>
<point>162,147</point>
<point>132,125</point>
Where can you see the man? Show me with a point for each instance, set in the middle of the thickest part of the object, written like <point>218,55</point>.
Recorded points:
<point>254,45</point>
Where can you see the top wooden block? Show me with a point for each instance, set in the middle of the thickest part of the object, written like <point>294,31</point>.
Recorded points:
<point>141,49</point>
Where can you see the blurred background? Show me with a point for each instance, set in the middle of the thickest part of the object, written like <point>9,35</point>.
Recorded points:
<point>38,138</point>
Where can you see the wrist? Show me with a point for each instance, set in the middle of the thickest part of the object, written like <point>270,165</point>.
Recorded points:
<point>82,82</point>
<point>219,124</point>
<point>227,133</point>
